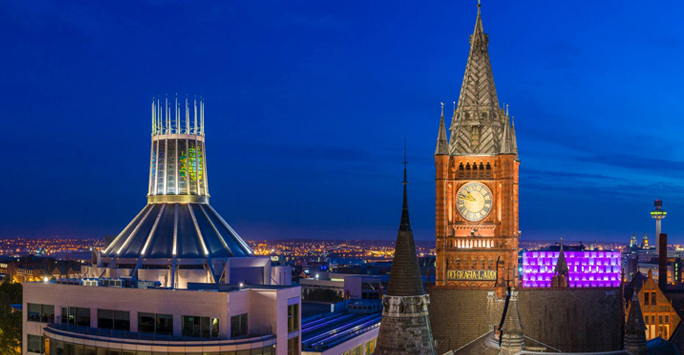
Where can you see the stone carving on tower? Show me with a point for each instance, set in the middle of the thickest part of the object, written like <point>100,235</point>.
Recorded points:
<point>405,326</point>
<point>477,182</point>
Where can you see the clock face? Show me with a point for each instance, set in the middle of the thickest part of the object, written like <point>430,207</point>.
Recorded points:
<point>474,201</point>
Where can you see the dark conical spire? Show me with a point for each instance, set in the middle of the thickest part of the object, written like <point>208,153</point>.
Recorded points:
<point>405,224</point>
<point>442,143</point>
<point>561,264</point>
<point>405,277</point>
<point>511,330</point>
<point>635,329</point>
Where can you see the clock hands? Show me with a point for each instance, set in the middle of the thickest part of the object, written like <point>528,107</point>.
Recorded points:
<point>467,197</point>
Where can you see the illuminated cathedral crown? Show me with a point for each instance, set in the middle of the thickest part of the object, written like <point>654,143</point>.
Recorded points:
<point>178,227</point>
<point>178,167</point>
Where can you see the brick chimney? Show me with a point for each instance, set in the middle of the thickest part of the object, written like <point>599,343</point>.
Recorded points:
<point>662,262</point>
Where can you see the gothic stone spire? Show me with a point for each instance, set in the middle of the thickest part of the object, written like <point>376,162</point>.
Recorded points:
<point>405,277</point>
<point>405,325</point>
<point>560,277</point>
<point>442,143</point>
<point>478,125</point>
<point>635,329</point>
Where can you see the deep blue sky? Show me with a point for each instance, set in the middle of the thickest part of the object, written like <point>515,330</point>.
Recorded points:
<point>308,103</point>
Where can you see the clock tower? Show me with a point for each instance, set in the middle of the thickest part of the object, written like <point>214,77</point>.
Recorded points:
<point>477,182</point>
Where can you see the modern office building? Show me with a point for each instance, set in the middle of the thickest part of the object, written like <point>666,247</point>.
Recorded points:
<point>124,317</point>
<point>177,280</point>
<point>585,268</point>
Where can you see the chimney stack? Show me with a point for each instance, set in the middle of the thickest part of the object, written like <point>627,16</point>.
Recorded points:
<point>662,261</point>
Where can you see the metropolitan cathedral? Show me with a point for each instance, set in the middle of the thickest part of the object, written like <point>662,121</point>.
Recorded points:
<point>476,305</point>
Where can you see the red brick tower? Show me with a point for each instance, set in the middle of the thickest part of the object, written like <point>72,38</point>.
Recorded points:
<point>477,182</point>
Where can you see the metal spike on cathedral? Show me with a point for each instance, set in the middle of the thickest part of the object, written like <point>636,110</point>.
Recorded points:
<point>405,325</point>
<point>177,237</point>
<point>477,182</point>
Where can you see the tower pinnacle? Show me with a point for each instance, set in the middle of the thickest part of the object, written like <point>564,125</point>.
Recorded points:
<point>405,224</point>
<point>442,143</point>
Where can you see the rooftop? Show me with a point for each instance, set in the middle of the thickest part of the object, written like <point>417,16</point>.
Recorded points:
<point>333,329</point>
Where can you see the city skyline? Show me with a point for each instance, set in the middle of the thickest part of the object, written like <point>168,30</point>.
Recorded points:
<point>314,149</point>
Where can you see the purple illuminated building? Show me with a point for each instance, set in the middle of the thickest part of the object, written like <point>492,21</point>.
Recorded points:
<point>586,268</point>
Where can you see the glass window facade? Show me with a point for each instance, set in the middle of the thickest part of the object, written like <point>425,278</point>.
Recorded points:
<point>76,316</point>
<point>238,326</point>
<point>292,318</point>
<point>200,327</point>
<point>155,323</point>
<point>117,320</point>
<point>35,344</point>
<point>293,346</point>
<point>586,268</point>
<point>41,313</point>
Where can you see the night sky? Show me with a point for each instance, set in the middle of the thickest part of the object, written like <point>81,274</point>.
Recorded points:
<point>308,104</point>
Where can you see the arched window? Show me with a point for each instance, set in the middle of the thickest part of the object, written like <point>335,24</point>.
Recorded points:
<point>460,166</point>
<point>489,167</point>
<point>482,166</point>
<point>467,166</point>
<point>474,166</point>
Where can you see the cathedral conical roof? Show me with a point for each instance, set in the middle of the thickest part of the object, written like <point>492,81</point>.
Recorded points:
<point>405,277</point>
<point>178,230</point>
<point>178,221</point>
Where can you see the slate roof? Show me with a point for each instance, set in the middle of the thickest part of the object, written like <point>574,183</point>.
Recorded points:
<point>405,273</point>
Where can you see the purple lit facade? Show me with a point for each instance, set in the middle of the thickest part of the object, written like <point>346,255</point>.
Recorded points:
<point>587,268</point>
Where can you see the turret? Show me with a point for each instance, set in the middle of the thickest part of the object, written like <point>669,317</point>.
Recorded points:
<point>635,329</point>
<point>442,143</point>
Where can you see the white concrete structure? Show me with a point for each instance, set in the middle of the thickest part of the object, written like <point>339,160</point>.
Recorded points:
<point>75,319</point>
<point>352,285</point>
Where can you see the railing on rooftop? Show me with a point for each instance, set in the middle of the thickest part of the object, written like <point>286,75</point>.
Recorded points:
<point>123,334</point>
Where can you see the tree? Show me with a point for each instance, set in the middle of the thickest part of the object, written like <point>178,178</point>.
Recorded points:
<point>10,319</point>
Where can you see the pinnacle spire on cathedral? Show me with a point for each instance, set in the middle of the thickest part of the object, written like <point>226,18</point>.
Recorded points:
<point>405,277</point>
<point>442,143</point>
<point>515,140</point>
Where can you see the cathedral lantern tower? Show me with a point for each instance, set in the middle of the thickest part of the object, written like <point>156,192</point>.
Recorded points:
<point>477,182</point>
<point>178,238</point>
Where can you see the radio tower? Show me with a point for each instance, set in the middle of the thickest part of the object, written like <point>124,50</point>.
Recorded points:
<point>658,213</point>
